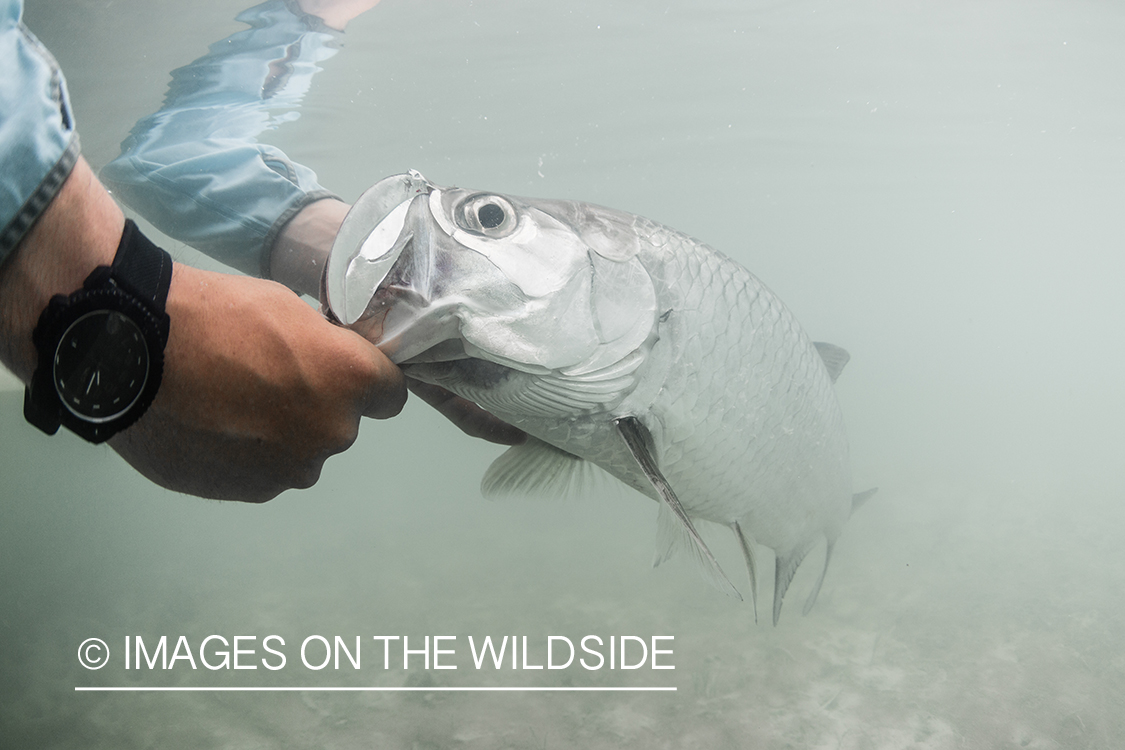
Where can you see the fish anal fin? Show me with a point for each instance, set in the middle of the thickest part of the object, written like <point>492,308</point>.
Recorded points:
<point>537,469</point>
<point>638,440</point>
<point>784,569</point>
<point>819,581</point>
<point>748,555</point>
<point>834,357</point>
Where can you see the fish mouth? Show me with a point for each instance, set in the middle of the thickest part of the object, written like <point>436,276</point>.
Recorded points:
<point>402,317</point>
<point>372,321</point>
<point>368,246</point>
<point>379,278</point>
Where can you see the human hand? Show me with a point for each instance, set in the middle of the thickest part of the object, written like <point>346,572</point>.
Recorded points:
<point>297,259</point>
<point>336,13</point>
<point>258,391</point>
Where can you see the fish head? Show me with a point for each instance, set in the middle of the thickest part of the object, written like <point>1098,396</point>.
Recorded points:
<point>433,274</point>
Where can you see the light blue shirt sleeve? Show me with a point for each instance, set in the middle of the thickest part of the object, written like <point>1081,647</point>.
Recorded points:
<point>195,169</point>
<point>38,142</point>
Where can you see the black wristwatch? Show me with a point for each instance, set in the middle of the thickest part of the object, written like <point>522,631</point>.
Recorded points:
<point>101,349</point>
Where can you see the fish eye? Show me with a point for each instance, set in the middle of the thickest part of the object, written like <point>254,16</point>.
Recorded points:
<point>488,215</point>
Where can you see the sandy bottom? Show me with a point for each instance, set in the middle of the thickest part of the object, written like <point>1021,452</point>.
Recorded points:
<point>955,614</point>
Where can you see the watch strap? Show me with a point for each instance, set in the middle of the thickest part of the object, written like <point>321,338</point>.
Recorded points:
<point>141,268</point>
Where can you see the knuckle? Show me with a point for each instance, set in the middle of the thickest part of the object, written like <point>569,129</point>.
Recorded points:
<point>333,436</point>
<point>302,472</point>
<point>385,404</point>
<point>343,436</point>
<point>305,479</point>
<point>263,495</point>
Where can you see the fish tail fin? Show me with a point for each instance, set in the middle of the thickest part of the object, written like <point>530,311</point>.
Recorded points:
<point>751,569</point>
<point>820,580</point>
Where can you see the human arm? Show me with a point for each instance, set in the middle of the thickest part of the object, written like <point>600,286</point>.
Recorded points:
<point>198,172</point>
<point>258,388</point>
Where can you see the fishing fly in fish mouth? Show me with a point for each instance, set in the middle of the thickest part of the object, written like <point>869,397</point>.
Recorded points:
<point>614,341</point>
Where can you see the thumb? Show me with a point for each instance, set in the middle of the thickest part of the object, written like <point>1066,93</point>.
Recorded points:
<point>376,383</point>
<point>386,392</point>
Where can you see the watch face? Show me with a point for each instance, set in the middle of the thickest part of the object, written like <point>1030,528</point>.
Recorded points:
<point>101,365</point>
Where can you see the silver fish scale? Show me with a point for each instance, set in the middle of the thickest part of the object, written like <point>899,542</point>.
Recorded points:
<point>747,424</point>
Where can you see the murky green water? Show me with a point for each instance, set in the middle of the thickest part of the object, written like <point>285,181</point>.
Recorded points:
<point>934,186</point>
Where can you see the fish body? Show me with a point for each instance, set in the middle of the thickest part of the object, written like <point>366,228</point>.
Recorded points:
<point>611,340</point>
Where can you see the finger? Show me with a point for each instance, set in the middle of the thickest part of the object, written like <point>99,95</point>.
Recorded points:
<point>386,394</point>
<point>470,418</point>
<point>379,383</point>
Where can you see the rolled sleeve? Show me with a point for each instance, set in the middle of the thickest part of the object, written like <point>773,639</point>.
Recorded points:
<point>196,169</point>
<point>38,142</point>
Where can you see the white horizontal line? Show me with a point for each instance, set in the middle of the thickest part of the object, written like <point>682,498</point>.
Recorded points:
<point>366,689</point>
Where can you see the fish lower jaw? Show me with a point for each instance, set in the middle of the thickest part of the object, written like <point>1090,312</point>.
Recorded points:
<point>449,350</point>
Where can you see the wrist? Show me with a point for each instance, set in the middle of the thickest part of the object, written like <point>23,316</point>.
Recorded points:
<point>78,232</point>
<point>301,249</point>
<point>336,13</point>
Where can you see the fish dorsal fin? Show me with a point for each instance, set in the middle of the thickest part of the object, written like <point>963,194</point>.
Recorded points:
<point>784,569</point>
<point>639,441</point>
<point>860,498</point>
<point>816,588</point>
<point>834,358</point>
<point>538,469</point>
<point>747,547</point>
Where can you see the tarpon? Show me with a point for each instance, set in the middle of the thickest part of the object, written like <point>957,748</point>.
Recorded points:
<point>611,340</point>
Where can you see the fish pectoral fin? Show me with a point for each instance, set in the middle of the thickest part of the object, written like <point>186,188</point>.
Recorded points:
<point>860,498</point>
<point>834,357</point>
<point>669,535</point>
<point>638,440</point>
<point>784,569</point>
<point>747,548</point>
<point>672,534</point>
<point>538,469</point>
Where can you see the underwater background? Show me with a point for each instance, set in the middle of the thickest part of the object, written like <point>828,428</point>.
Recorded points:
<point>935,186</point>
